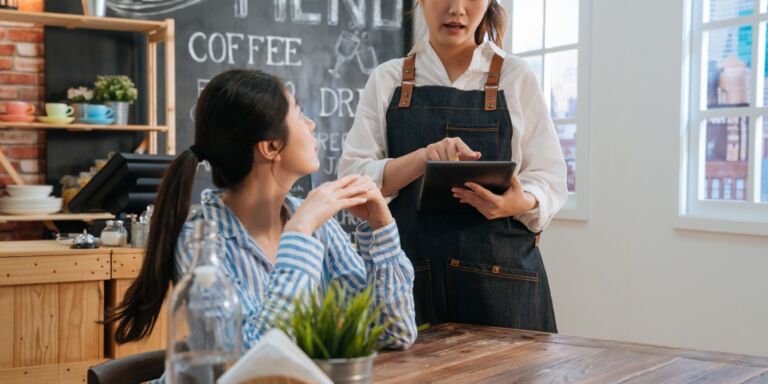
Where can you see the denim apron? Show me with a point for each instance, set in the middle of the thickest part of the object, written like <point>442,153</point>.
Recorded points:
<point>468,269</point>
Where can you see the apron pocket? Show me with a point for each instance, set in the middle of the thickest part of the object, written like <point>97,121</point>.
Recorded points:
<point>422,291</point>
<point>492,295</point>
<point>483,138</point>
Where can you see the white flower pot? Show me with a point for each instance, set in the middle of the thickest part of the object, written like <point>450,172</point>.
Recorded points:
<point>79,111</point>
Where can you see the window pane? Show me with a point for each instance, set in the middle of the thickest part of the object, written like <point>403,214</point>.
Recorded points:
<point>535,63</point>
<point>765,87</point>
<point>527,25</point>
<point>562,80</point>
<point>562,25</point>
<point>567,135</point>
<point>727,9</point>
<point>727,150</point>
<point>729,67</point>
<point>764,164</point>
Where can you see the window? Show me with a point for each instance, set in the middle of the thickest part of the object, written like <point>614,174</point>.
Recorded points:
<point>726,154</point>
<point>552,36</point>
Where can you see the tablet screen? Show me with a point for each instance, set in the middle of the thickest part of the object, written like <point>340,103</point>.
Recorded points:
<point>440,176</point>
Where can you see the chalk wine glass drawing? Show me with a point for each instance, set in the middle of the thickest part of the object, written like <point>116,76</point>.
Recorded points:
<point>349,46</point>
<point>366,56</point>
<point>345,49</point>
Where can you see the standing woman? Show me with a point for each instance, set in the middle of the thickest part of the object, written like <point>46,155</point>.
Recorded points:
<point>459,96</point>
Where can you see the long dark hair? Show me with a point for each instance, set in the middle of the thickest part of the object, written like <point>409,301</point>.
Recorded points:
<point>494,24</point>
<point>236,110</point>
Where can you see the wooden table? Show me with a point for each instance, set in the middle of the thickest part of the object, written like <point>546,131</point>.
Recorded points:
<point>459,353</point>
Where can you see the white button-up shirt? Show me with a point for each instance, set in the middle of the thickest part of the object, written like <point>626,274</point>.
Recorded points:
<point>535,145</point>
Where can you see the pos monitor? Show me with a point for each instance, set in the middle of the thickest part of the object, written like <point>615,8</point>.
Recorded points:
<point>127,183</point>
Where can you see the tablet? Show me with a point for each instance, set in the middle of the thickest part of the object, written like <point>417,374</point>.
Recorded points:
<point>440,176</point>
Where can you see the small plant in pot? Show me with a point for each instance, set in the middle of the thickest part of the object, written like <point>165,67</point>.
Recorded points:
<point>338,332</point>
<point>117,92</point>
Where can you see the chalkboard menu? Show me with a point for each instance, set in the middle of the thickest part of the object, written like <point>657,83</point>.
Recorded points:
<point>323,49</point>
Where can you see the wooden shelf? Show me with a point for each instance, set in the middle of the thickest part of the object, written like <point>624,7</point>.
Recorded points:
<point>157,33</point>
<point>84,127</point>
<point>80,21</point>
<point>58,216</point>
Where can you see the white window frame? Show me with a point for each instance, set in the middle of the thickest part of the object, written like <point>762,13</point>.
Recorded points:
<point>576,207</point>
<point>743,217</point>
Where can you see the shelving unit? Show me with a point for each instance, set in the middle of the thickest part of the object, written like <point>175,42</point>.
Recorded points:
<point>157,32</point>
<point>58,216</point>
<point>84,127</point>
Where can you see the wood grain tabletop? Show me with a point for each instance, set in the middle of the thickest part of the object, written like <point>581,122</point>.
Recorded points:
<point>461,353</point>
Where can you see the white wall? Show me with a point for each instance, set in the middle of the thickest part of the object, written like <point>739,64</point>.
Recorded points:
<point>627,273</point>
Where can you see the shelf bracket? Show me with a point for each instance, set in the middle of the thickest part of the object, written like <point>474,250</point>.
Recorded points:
<point>10,170</point>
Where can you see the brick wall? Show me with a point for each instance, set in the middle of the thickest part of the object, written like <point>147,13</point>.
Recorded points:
<point>21,78</point>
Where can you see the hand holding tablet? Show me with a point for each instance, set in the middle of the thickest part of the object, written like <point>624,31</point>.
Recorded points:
<point>435,194</point>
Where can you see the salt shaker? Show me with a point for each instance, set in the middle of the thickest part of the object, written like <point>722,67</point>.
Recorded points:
<point>114,234</point>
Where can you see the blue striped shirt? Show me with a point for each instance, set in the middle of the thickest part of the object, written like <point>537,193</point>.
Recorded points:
<point>303,263</point>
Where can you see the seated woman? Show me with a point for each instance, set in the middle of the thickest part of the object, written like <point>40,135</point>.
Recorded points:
<point>275,247</point>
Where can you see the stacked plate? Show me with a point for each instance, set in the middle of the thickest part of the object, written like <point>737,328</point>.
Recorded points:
<point>29,200</point>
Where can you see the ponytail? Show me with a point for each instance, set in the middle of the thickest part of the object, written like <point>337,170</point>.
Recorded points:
<point>237,109</point>
<point>494,24</point>
<point>142,302</point>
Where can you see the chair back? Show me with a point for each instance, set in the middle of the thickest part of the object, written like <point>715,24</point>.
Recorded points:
<point>130,369</point>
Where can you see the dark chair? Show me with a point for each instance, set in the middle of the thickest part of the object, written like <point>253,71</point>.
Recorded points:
<point>129,370</point>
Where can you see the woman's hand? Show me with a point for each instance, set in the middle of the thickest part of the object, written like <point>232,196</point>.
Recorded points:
<point>375,209</point>
<point>324,201</point>
<point>405,169</point>
<point>450,148</point>
<point>513,202</point>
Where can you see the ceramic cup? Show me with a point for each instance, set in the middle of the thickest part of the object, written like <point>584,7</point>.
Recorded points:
<point>19,108</point>
<point>58,110</point>
<point>96,111</point>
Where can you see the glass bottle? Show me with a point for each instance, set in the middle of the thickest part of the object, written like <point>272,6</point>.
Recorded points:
<point>204,329</point>
<point>114,234</point>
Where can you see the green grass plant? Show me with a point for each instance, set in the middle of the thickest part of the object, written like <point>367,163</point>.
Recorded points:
<point>336,326</point>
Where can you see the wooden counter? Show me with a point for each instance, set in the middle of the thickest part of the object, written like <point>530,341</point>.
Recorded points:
<point>52,299</point>
<point>460,353</point>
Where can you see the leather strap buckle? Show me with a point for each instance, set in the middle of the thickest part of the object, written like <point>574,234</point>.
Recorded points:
<point>492,83</point>
<point>406,86</point>
<point>491,92</point>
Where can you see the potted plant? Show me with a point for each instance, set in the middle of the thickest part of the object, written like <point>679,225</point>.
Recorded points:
<point>79,98</point>
<point>338,332</point>
<point>117,92</point>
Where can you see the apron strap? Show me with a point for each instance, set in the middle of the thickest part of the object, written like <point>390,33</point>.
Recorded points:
<point>406,87</point>
<point>492,83</point>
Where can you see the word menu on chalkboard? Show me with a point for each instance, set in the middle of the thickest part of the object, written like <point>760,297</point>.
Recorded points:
<point>323,49</point>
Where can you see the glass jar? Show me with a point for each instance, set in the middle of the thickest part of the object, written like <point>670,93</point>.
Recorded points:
<point>85,177</point>
<point>70,186</point>
<point>114,234</point>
